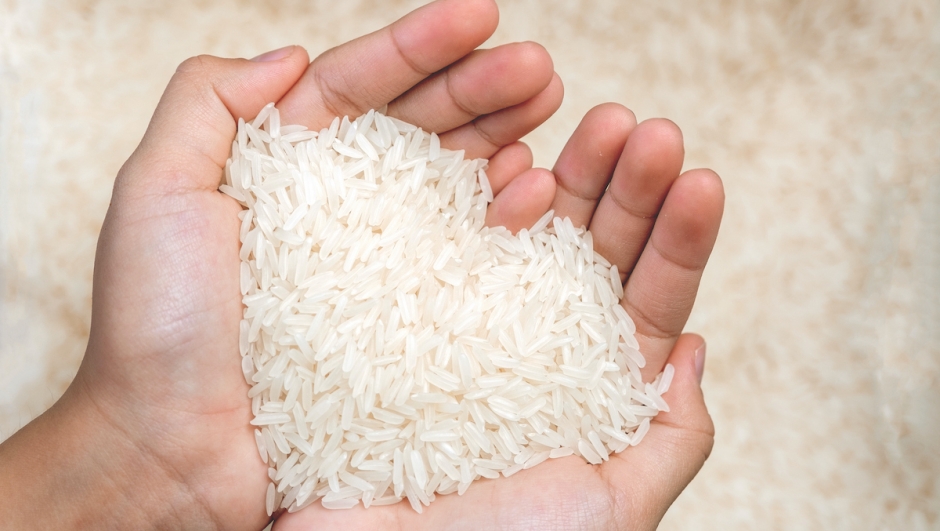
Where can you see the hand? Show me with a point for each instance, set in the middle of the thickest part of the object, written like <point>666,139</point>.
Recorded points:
<point>154,431</point>
<point>622,180</point>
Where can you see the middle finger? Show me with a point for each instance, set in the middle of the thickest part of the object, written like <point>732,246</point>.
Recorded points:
<point>484,82</point>
<point>649,164</point>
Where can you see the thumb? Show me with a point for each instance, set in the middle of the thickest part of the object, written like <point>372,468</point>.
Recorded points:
<point>651,475</point>
<point>191,132</point>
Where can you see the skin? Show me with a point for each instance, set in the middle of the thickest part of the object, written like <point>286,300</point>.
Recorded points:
<point>154,431</point>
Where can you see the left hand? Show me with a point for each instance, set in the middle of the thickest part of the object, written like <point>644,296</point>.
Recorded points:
<point>154,431</point>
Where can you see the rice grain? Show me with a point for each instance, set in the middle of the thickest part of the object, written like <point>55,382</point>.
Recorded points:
<point>395,346</point>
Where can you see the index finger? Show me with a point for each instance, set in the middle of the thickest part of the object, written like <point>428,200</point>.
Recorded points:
<point>369,72</point>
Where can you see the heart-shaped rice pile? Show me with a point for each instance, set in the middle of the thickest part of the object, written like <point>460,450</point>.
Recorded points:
<point>395,346</point>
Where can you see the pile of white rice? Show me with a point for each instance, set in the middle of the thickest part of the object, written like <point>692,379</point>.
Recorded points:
<point>397,348</point>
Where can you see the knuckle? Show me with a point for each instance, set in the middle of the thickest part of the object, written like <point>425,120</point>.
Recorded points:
<point>195,64</point>
<point>197,70</point>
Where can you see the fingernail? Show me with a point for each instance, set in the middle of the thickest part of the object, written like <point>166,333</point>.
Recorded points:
<point>275,55</point>
<point>700,362</point>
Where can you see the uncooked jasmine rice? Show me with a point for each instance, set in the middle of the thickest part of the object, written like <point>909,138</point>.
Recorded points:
<point>398,348</point>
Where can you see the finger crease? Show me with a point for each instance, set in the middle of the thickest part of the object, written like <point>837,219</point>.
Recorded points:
<point>404,57</point>
<point>331,97</point>
<point>575,194</point>
<point>631,211</point>
<point>462,107</point>
<point>688,268</point>
<point>484,136</point>
<point>656,332</point>
<point>218,97</point>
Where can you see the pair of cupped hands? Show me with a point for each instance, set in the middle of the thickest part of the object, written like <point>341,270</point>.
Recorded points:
<point>154,431</point>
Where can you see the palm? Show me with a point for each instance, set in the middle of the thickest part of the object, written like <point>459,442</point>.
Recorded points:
<point>566,492</point>
<point>171,294</point>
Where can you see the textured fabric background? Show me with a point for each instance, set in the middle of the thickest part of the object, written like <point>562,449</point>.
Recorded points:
<point>821,304</point>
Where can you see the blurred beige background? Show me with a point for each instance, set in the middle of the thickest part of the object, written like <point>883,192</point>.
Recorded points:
<point>821,304</point>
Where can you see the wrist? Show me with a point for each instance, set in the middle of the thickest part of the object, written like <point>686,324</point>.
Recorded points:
<point>72,468</point>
